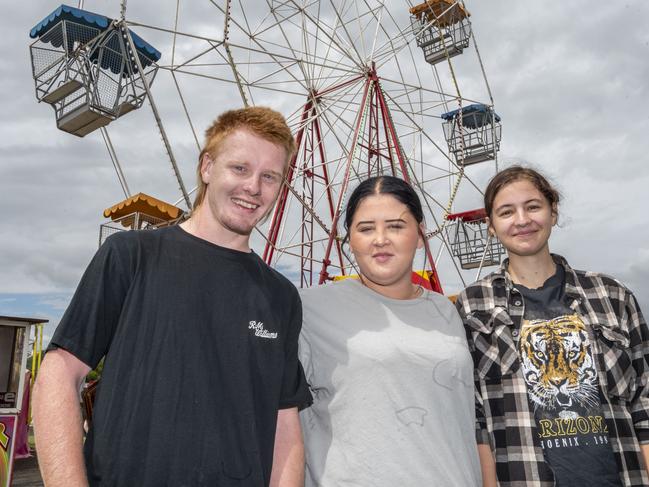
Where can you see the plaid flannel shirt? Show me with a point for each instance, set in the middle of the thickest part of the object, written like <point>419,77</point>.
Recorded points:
<point>492,310</point>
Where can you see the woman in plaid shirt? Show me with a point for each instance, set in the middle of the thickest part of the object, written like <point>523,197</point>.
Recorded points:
<point>561,356</point>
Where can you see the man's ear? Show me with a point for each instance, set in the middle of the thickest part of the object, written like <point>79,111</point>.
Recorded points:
<point>207,164</point>
<point>555,214</point>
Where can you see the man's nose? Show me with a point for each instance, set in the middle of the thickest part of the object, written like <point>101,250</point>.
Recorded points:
<point>252,185</point>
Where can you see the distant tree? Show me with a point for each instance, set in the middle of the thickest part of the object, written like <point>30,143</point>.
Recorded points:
<point>96,373</point>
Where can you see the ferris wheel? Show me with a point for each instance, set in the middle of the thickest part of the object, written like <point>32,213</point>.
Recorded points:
<point>370,87</point>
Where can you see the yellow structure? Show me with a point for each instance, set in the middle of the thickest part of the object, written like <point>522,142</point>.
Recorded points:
<point>139,212</point>
<point>145,205</point>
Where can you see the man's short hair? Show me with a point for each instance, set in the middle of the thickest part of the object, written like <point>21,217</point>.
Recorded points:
<point>261,121</point>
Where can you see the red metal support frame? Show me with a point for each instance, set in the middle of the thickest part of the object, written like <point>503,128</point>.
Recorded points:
<point>280,206</point>
<point>309,143</point>
<point>374,109</point>
<point>334,230</point>
<point>387,121</point>
<point>308,187</point>
<point>324,275</point>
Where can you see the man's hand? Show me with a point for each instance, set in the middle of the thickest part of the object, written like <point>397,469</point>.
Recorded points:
<point>57,420</point>
<point>288,457</point>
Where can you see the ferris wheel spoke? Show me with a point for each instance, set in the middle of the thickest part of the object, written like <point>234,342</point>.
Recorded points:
<point>335,40</point>
<point>335,76</point>
<point>427,136</point>
<point>406,91</point>
<point>318,25</point>
<point>330,47</point>
<point>259,44</point>
<point>213,47</point>
<point>389,49</point>
<point>302,65</point>
<point>423,89</point>
<point>350,40</point>
<point>325,61</point>
<point>133,23</point>
<point>186,111</point>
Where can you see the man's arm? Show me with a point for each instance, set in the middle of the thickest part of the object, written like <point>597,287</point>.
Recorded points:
<point>288,456</point>
<point>57,420</point>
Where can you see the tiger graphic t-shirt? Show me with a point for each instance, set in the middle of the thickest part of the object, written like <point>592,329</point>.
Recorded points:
<point>562,386</point>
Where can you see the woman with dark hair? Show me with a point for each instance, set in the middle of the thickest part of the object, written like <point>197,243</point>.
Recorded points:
<point>387,360</point>
<point>561,356</point>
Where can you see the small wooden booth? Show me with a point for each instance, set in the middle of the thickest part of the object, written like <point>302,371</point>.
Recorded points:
<point>17,334</point>
<point>139,212</point>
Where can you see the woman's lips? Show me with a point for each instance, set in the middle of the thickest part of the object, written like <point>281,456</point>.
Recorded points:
<point>382,257</point>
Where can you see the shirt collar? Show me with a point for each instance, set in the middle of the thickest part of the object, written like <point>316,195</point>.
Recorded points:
<point>572,290</point>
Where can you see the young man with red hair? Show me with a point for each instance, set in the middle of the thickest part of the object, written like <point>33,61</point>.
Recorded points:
<point>201,382</point>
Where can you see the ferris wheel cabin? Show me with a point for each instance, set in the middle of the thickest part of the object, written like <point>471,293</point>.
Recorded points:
<point>89,67</point>
<point>472,133</point>
<point>470,240</point>
<point>441,27</point>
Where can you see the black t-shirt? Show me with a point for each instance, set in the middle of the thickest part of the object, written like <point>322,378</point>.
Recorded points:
<point>201,352</point>
<point>563,388</point>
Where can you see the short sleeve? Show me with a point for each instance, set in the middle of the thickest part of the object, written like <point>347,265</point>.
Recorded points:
<point>88,325</point>
<point>304,354</point>
<point>295,389</point>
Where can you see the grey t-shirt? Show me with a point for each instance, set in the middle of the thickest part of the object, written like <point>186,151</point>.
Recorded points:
<point>393,390</point>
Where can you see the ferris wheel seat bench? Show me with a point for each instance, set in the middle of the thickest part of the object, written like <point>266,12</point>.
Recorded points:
<point>67,87</point>
<point>427,38</point>
<point>125,108</point>
<point>481,157</point>
<point>83,120</point>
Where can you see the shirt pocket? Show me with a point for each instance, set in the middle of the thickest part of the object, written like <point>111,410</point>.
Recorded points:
<point>615,360</point>
<point>494,350</point>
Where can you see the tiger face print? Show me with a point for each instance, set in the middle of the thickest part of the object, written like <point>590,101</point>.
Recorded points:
<point>557,363</point>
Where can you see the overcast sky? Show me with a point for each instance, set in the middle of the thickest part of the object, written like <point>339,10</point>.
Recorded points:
<point>569,80</point>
